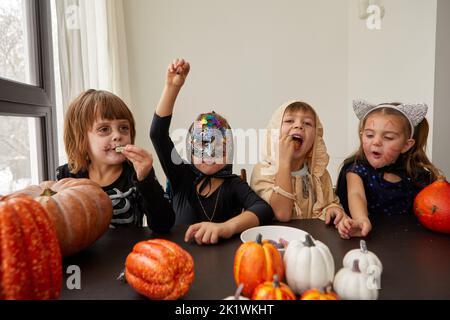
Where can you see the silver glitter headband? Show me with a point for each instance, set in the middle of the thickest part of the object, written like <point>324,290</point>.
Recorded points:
<point>415,113</point>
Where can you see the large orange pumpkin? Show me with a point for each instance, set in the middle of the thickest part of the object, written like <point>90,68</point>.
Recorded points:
<point>432,206</point>
<point>159,269</point>
<point>30,258</point>
<point>273,290</point>
<point>255,263</point>
<point>80,210</point>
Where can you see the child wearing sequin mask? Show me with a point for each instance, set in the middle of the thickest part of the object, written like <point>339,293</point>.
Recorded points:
<point>390,167</point>
<point>206,195</point>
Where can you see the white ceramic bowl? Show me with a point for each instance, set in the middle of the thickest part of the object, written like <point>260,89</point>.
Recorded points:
<point>273,233</point>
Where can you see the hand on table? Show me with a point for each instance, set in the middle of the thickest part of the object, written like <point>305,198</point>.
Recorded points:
<point>349,228</point>
<point>207,232</point>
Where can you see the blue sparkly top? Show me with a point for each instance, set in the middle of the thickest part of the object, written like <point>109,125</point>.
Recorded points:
<point>383,197</point>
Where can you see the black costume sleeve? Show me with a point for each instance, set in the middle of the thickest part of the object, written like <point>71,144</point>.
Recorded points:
<point>171,162</point>
<point>252,202</point>
<point>157,208</point>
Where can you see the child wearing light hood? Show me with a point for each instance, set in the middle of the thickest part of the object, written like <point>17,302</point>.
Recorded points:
<point>293,176</point>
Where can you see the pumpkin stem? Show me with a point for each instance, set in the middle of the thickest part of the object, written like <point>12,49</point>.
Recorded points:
<point>441,178</point>
<point>121,276</point>
<point>259,238</point>
<point>356,266</point>
<point>238,291</point>
<point>363,246</point>
<point>48,192</point>
<point>309,242</point>
<point>276,281</point>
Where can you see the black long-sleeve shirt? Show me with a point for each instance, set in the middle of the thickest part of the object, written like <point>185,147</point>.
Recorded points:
<point>132,199</point>
<point>234,195</point>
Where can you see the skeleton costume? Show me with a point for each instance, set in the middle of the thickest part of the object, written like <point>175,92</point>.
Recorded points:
<point>312,187</point>
<point>132,199</point>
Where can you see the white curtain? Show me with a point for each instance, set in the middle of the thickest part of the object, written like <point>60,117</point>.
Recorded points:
<point>92,47</point>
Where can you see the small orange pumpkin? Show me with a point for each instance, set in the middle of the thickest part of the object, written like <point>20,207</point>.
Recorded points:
<point>30,258</point>
<point>79,208</point>
<point>432,206</point>
<point>159,269</point>
<point>255,263</point>
<point>316,294</point>
<point>273,290</point>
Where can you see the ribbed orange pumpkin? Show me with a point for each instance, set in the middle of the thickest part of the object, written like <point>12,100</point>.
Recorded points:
<point>315,294</point>
<point>255,263</point>
<point>159,269</point>
<point>273,290</point>
<point>30,259</point>
<point>432,206</point>
<point>80,210</point>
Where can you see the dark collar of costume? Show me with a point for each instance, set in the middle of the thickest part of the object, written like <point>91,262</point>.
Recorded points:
<point>225,173</point>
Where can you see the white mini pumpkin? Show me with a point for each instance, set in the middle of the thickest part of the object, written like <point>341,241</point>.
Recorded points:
<point>308,265</point>
<point>352,284</point>
<point>366,258</point>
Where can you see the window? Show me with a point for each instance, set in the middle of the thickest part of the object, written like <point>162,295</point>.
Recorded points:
<point>28,140</point>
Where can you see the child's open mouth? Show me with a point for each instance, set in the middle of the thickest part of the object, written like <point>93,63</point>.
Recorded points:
<point>298,141</point>
<point>376,155</point>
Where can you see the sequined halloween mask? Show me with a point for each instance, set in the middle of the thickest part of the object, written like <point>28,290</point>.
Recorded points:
<point>209,139</point>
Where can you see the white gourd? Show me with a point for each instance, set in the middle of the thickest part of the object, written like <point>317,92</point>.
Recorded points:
<point>366,258</point>
<point>352,284</point>
<point>237,295</point>
<point>308,265</point>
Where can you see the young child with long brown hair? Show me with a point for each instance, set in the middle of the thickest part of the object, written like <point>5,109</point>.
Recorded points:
<point>99,134</point>
<point>389,169</point>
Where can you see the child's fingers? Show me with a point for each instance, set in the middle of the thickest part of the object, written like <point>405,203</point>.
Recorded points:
<point>365,229</point>
<point>207,236</point>
<point>343,235</point>
<point>199,234</point>
<point>328,217</point>
<point>348,223</point>
<point>339,217</point>
<point>214,237</point>
<point>191,232</point>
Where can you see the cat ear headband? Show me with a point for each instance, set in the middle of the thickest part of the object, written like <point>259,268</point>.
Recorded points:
<point>415,113</point>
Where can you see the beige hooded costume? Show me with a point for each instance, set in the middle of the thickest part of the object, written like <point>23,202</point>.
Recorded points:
<point>312,194</point>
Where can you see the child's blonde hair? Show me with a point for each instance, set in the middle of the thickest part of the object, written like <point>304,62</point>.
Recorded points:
<point>80,118</point>
<point>415,159</point>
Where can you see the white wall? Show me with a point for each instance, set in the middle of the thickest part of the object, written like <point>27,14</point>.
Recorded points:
<point>395,63</point>
<point>248,57</point>
<point>441,150</point>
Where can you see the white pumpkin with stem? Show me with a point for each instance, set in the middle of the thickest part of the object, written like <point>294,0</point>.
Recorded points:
<point>237,294</point>
<point>308,265</point>
<point>352,284</point>
<point>366,259</point>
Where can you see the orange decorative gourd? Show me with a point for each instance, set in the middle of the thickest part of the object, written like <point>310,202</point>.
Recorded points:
<point>255,263</point>
<point>159,269</point>
<point>432,206</point>
<point>273,290</point>
<point>79,208</point>
<point>30,258</point>
<point>316,294</point>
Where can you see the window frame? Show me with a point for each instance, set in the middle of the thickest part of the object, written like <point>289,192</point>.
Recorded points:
<point>38,101</point>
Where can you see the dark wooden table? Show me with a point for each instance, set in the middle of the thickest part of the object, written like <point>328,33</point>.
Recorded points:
<point>416,262</point>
